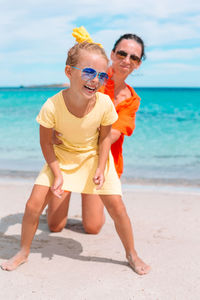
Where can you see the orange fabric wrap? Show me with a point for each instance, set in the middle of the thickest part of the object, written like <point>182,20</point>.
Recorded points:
<point>126,111</point>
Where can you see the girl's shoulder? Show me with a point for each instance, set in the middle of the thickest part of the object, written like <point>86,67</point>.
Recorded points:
<point>56,99</point>
<point>103,99</point>
<point>53,102</point>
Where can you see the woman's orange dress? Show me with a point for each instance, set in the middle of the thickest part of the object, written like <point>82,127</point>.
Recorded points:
<point>126,111</point>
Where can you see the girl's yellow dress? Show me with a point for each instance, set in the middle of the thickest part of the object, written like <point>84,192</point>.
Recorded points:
<point>78,155</point>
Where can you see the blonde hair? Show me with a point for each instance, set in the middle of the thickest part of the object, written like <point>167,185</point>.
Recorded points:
<point>74,52</point>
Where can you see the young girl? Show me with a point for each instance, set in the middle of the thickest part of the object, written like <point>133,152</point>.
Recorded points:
<point>82,163</point>
<point>127,55</point>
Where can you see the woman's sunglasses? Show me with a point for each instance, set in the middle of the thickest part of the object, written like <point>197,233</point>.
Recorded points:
<point>88,74</point>
<point>122,54</point>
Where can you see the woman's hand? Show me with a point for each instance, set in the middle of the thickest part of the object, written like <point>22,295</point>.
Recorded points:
<point>55,138</point>
<point>56,188</point>
<point>99,179</point>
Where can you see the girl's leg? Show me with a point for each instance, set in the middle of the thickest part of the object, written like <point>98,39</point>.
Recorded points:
<point>117,211</point>
<point>57,212</point>
<point>34,207</point>
<point>92,213</point>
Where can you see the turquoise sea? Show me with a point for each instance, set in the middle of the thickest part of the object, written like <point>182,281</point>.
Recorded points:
<point>165,146</point>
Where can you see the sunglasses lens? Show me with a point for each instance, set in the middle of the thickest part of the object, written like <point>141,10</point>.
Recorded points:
<point>135,58</point>
<point>88,74</point>
<point>121,54</point>
<point>103,77</point>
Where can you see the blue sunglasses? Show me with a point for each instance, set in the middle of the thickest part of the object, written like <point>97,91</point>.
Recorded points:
<point>88,74</point>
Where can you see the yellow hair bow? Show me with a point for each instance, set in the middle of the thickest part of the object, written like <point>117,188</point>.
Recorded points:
<point>82,35</point>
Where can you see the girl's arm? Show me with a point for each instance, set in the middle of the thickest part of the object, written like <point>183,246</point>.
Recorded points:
<point>104,147</point>
<point>50,157</point>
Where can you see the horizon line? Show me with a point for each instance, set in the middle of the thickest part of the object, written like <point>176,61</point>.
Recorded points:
<point>67,85</point>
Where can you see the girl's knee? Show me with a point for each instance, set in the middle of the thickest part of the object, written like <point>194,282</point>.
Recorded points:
<point>32,210</point>
<point>117,210</point>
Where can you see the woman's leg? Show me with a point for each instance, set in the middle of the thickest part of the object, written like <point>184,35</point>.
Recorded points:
<point>57,212</point>
<point>34,207</point>
<point>117,211</point>
<point>92,213</point>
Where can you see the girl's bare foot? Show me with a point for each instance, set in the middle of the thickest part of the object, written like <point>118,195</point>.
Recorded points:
<point>14,262</point>
<point>138,265</point>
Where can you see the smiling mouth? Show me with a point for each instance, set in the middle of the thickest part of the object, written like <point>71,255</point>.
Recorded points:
<point>125,66</point>
<point>90,88</point>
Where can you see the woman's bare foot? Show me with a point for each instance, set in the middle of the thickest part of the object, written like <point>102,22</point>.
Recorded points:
<point>15,261</point>
<point>138,265</point>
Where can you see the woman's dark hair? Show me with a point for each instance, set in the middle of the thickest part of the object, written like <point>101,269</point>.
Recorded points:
<point>130,36</point>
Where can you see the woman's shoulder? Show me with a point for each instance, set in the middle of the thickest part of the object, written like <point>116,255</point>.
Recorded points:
<point>134,95</point>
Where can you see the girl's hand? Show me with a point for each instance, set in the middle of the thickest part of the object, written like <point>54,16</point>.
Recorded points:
<point>99,179</point>
<point>56,188</point>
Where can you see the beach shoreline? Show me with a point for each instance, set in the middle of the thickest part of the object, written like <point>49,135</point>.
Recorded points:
<point>28,177</point>
<point>155,155</point>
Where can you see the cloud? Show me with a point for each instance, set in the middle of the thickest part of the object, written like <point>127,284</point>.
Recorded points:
<point>165,75</point>
<point>187,55</point>
<point>158,23</point>
<point>171,68</point>
<point>39,32</point>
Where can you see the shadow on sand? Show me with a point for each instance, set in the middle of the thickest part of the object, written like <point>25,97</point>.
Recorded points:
<point>46,243</point>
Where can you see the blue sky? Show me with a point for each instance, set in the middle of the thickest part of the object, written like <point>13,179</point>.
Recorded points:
<point>36,35</point>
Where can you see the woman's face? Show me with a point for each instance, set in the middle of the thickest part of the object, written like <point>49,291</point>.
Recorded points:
<point>124,64</point>
<point>87,59</point>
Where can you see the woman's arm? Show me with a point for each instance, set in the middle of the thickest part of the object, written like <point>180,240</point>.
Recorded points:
<point>104,147</point>
<point>115,135</point>
<point>50,157</point>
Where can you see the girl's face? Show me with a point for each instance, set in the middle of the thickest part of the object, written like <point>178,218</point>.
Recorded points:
<point>79,84</point>
<point>126,57</point>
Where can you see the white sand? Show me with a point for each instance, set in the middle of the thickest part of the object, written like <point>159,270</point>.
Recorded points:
<point>74,265</point>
